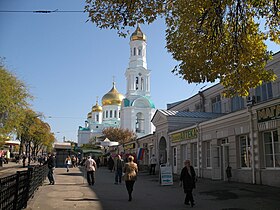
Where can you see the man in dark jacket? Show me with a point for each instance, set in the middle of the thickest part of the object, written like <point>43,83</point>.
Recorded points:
<point>188,178</point>
<point>51,166</point>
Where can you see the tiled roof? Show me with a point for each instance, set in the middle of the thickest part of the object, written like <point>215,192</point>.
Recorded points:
<point>209,115</point>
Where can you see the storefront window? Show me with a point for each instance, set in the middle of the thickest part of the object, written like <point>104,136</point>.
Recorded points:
<point>245,152</point>
<point>174,156</point>
<point>194,154</point>
<point>271,149</point>
<point>208,154</point>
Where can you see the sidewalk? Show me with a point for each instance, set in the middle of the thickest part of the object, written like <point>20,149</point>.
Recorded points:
<point>71,191</point>
<point>10,168</point>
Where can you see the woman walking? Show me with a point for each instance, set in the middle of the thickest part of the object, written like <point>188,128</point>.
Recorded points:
<point>188,178</point>
<point>68,162</point>
<point>130,176</point>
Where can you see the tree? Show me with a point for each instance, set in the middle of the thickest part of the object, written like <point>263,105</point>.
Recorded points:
<point>210,39</point>
<point>34,134</point>
<point>14,98</point>
<point>119,135</point>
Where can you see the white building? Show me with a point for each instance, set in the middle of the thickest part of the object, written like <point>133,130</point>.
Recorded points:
<point>135,111</point>
<point>137,108</point>
<point>101,117</point>
<point>244,134</point>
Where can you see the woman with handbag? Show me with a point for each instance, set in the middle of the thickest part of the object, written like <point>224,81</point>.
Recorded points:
<point>130,176</point>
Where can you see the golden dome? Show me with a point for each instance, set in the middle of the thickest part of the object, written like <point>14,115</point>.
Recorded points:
<point>138,35</point>
<point>113,97</point>
<point>96,108</point>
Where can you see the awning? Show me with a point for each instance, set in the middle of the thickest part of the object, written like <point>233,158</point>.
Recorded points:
<point>12,142</point>
<point>108,143</point>
<point>93,152</point>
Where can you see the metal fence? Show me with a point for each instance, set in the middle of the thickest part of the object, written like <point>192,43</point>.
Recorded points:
<point>16,189</point>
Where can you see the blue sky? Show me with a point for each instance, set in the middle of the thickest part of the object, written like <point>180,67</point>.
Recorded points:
<point>66,63</point>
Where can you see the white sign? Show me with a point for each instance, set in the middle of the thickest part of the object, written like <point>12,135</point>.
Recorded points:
<point>166,176</point>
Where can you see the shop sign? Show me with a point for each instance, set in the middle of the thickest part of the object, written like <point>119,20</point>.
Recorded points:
<point>129,146</point>
<point>269,113</point>
<point>191,134</point>
<point>184,135</point>
<point>176,137</point>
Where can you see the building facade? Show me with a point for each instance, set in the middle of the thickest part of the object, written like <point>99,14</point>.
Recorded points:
<point>244,134</point>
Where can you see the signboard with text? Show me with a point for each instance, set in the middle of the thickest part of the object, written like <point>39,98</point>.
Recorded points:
<point>166,175</point>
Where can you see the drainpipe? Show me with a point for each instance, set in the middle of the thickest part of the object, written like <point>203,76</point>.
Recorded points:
<point>251,136</point>
<point>198,151</point>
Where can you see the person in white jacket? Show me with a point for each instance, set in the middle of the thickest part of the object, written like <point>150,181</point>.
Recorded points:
<point>90,166</point>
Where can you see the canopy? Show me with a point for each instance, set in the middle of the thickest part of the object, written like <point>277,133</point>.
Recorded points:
<point>108,143</point>
<point>12,142</point>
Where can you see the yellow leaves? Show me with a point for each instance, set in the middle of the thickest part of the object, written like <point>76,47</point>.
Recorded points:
<point>13,99</point>
<point>118,134</point>
<point>210,39</point>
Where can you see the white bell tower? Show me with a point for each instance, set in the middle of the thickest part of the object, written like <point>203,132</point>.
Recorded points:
<point>137,108</point>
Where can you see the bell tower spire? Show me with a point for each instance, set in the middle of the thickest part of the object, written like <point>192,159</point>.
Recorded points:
<point>137,108</point>
<point>137,74</point>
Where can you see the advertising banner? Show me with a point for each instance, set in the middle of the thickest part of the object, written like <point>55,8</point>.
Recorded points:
<point>166,176</point>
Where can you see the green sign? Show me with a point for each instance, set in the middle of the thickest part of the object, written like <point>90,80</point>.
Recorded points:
<point>269,113</point>
<point>184,135</point>
<point>129,146</point>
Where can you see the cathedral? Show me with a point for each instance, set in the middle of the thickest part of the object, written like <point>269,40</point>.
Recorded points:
<point>133,111</point>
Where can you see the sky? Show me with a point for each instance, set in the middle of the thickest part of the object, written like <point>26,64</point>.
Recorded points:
<point>67,62</point>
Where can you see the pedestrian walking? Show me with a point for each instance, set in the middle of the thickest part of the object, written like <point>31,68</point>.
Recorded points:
<point>153,163</point>
<point>68,163</point>
<point>228,172</point>
<point>51,167</point>
<point>98,161</point>
<point>188,179</point>
<point>130,176</point>
<point>111,163</point>
<point>74,161</point>
<point>118,167</point>
<point>90,166</point>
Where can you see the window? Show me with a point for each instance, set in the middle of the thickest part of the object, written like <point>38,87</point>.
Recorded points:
<point>245,151</point>
<point>139,125</point>
<point>264,92</point>
<point>139,51</point>
<point>185,152</point>
<point>216,104</point>
<point>271,149</point>
<point>174,156</point>
<point>97,117</point>
<point>111,113</point>
<point>198,107</point>
<point>208,154</point>
<point>194,154</point>
<point>115,113</point>
<point>134,51</point>
<point>106,113</point>
<point>137,82</point>
<point>237,103</point>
